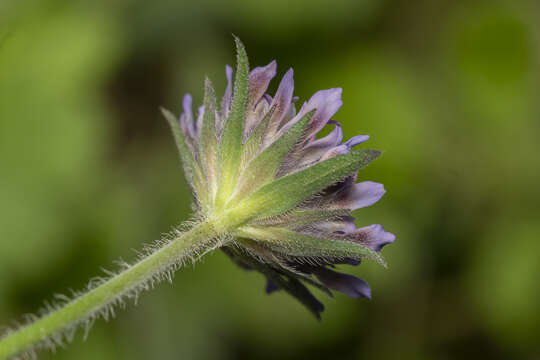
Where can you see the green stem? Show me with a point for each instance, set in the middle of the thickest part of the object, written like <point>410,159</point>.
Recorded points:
<point>196,240</point>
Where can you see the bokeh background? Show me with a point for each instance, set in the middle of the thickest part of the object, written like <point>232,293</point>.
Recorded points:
<point>448,89</point>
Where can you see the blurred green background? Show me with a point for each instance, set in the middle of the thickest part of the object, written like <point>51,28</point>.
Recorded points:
<point>448,89</point>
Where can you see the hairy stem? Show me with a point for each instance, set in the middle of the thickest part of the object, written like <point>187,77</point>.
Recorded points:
<point>196,241</point>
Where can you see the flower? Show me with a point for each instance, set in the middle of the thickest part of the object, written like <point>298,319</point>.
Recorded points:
<point>281,195</point>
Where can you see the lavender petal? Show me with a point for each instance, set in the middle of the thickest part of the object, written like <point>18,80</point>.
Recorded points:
<point>355,140</point>
<point>259,78</point>
<point>356,196</point>
<point>373,237</point>
<point>336,151</point>
<point>187,116</point>
<point>341,226</point>
<point>271,286</point>
<point>226,101</point>
<point>200,116</point>
<point>282,102</point>
<point>315,150</point>
<point>327,103</point>
<point>347,284</point>
<point>329,140</point>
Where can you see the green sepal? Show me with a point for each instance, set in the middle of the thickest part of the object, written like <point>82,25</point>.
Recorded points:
<point>302,217</point>
<point>208,144</point>
<point>263,168</point>
<point>289,191</point>
<point>192,170</point>
<point>279,264</point>
<point>230,148</point>
<point>255,139</point>
<point>292,243</point>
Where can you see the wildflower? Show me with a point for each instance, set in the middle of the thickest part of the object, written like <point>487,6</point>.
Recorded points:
<point>258,171</point>
<point>267,191</point>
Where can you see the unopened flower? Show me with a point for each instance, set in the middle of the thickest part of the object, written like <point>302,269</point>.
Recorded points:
<point>283,196</point>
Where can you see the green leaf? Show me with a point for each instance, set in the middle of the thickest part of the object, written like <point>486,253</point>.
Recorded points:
<point>208,140</point>
<point>230,149</point>
<point>293,243</point>
<point>289,191</point>
<point>264,167</point>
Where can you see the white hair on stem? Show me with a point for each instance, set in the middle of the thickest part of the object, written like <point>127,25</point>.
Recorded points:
<point>106,310</point>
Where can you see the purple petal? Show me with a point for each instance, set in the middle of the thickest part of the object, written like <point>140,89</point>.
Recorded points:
<point>186,119</point>
<point>200,115</point>
<point>329,140</point>
<point>373,237</point>
<point>314,150</point>
<point>347,284</point>
<point>271,286</point>
<point>183,124</point>
<point>259,78</point>
<point>345,147</point>
<point>261,108</point>
<point>226,102</point>
<point>327,103</point>
<point>328,196</point>
<point>356,196</point>
<point>289,115</point>
<point>340,226</point>
<point>336,151</point>
<point>366,193</point>
<point>282,102</point>
<point>355,140</point>
<point>186,105</point>
<point>253,118</point>
<point>268,98</point>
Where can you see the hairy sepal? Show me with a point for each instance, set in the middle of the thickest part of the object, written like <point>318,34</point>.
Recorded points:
<point>287,192</point>
<point>208,141</point>
<point>256,250</point>
<point>230,148</point>
<point>301,217</point>
<point>192,170</point>
<point>292,243</point>
<point>263,168</point>
<point>254,142</point>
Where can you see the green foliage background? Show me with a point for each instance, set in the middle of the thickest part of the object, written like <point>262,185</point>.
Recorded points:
<point>448,89</point>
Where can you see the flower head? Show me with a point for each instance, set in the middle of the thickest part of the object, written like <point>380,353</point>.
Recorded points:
<point>259,172</point>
